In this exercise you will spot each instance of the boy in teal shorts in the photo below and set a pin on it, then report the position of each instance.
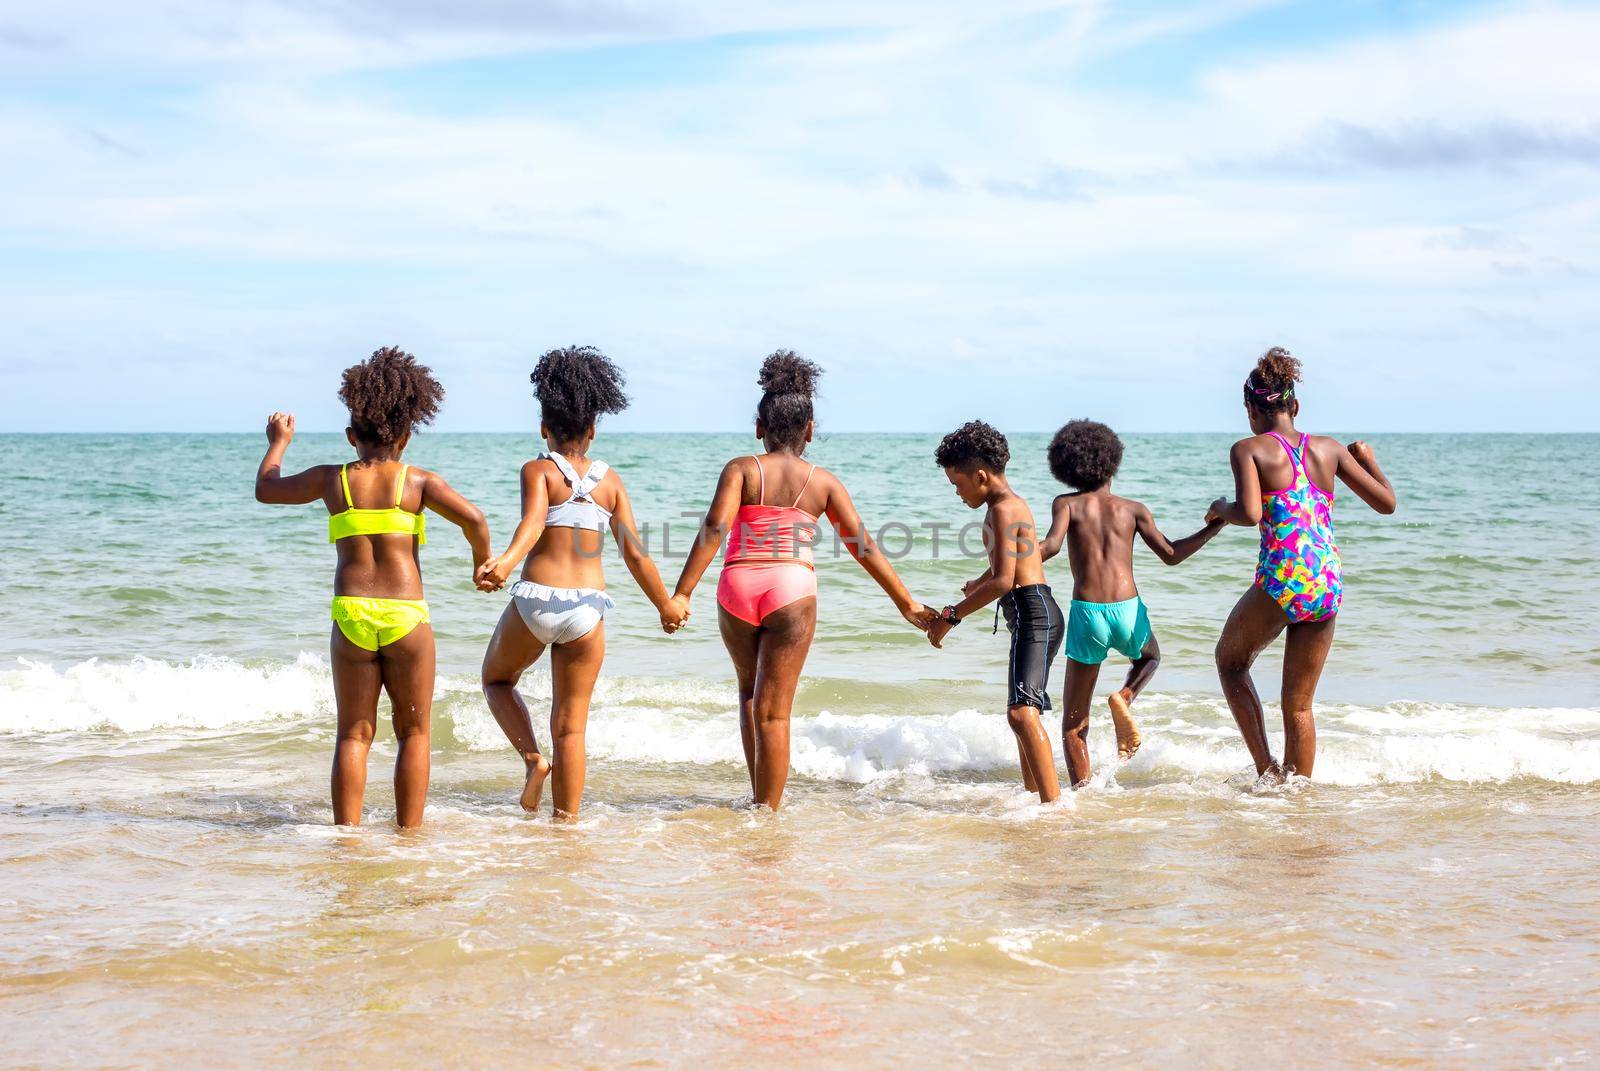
(1107, 614)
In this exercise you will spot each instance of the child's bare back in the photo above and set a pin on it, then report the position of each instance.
(1098, 528)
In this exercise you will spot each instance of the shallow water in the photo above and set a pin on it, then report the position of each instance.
(175, 895)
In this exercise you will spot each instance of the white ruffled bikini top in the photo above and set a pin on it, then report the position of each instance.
(579, 511)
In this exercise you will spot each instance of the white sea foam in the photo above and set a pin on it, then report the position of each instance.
(145, 694)
(638, 720)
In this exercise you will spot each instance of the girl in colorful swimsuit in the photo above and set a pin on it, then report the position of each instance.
(767, 592)
(568, 501)
(381, 639)
(1283, 482)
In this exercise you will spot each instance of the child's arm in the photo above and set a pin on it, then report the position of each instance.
(637, 559)
(492, 574)
(272, 486)
(1174, 551)
(724, 507)
(841, 513)
(1245, 509)
(1358, 468)
(996, 581)
(447, 502)
(1060, 519)
(1002, 564)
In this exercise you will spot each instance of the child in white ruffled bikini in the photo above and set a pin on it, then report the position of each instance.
(568, 501)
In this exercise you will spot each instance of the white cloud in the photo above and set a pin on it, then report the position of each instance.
(937, 183)
(297, 36)
(1530, 65)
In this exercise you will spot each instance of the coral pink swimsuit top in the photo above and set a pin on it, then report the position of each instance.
(764, 534)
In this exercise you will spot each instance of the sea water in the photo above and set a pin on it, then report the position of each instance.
(174, 892)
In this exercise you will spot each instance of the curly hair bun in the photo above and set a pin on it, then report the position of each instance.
(786, 372)
(1278, 370)
(787, 382)
(389, 394)
(575, 385)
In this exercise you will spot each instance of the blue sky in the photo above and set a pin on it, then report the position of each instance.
(1026, 213)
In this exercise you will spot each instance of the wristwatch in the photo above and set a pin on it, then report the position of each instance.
(948, 616)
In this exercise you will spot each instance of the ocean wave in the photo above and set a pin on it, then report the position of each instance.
(691, 721)
(146, 694)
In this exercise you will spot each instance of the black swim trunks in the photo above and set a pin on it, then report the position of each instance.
(1037, 629)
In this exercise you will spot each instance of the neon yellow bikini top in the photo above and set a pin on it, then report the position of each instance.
(391, 521)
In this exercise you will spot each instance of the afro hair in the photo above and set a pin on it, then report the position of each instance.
(1085, 455)
(574, 385)
(388, 395)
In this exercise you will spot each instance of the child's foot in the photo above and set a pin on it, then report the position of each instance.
(533, 787)
(1128, 739)
(1275, 777)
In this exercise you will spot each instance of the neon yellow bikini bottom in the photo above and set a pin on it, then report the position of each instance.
(374, 623)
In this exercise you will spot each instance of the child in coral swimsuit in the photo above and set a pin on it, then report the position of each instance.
(767, 593)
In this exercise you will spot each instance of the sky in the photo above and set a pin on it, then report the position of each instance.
(1018, 211)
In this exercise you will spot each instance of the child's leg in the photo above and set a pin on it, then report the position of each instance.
(1305, 652)
(512, 649)
(356, 683)
(743, 641)
(1036, 753)
(1075, 701)
(1255, 622)
(785, 640)
(1139, 674)
(408, 678)
(574, 667)
(1027, 771)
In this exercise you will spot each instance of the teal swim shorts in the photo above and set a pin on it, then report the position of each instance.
(1095, 629)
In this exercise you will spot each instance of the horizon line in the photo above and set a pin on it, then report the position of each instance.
(746, 431)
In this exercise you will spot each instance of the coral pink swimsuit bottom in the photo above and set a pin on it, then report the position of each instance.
(768, 563)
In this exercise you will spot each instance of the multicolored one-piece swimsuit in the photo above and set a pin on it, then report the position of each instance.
(1299, 567)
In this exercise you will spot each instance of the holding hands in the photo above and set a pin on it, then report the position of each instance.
(945, 620)
(919, 615)
(492, 574)
(674, 614)
(940, 629)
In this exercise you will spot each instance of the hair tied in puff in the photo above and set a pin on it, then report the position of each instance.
(786, 372)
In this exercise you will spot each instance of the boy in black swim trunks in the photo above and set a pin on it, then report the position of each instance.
(974, 460)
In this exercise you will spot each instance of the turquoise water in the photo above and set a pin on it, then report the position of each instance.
(1476, 590)
(175, 895)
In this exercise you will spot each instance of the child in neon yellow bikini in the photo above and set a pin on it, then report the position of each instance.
(381, 638)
